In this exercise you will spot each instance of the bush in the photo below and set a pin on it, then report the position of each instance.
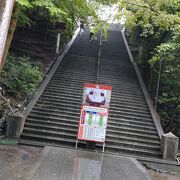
(19, 78)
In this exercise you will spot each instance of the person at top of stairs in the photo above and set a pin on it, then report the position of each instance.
(92, 31)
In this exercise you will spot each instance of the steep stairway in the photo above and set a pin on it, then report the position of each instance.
(130, 124)
(54, 118)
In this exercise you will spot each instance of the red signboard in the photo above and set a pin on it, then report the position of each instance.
(94, 113)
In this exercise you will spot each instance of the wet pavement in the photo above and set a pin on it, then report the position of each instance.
(19, 162)
(15, 161)
(69, 164)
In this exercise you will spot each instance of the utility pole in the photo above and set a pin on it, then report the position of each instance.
(157, 89)
(58, 42)
(6, 9)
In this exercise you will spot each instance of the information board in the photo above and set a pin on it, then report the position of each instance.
(94, 112)
(93, 123)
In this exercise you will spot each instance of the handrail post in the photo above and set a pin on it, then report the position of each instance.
(99, 57)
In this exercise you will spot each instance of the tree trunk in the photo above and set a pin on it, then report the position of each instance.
(170, 124)
(12, 27)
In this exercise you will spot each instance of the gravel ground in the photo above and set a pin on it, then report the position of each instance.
(15, 161)
(164, 176)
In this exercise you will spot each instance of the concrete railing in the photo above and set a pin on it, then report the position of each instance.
(146, 95)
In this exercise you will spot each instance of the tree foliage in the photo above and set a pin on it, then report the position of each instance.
(19, 78)
(155, 25)
(54, 11)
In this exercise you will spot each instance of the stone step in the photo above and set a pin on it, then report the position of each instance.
(132, 129)
(142, 115)
(74, 74)
(65, 112)
(127, 103)
(47, 140)
(129, 117)
(127, 100)
(113, 125)
(80, 83)
(76, 108)
(62, 90)
(76, 120)
(56, 113)
(122, 96)
(66, 103)
(109, 138)
(132, 122)
(59, 98)
(64, 95)
(133, 144)
(119, 92)
(54, 122)
(65, 122)
(51, 127)
(61, 93)
(76, 82)
(128, 109)
(41, 132)
(73, 78)
(125, 84)
(58, 117)
(57, 109)
(79, 89)
(134, 134)
(130, 150)
(79, 97)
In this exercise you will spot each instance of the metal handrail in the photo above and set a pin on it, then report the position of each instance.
(99, 57)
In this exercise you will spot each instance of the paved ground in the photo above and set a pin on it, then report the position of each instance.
(15, 161)
(70, 164)
(26, 162)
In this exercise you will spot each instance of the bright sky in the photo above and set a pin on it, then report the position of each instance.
(108, 13)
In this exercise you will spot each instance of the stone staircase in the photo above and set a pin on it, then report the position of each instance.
(54, 117)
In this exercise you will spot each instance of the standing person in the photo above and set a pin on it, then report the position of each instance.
(92, 32)
(81, 27)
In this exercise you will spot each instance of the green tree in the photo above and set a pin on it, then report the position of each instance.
(19, 78)
(155, 26)
(54, 11)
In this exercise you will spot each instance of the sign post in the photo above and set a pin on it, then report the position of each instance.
(94, 113)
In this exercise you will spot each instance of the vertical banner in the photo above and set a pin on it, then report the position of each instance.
(94, 113)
